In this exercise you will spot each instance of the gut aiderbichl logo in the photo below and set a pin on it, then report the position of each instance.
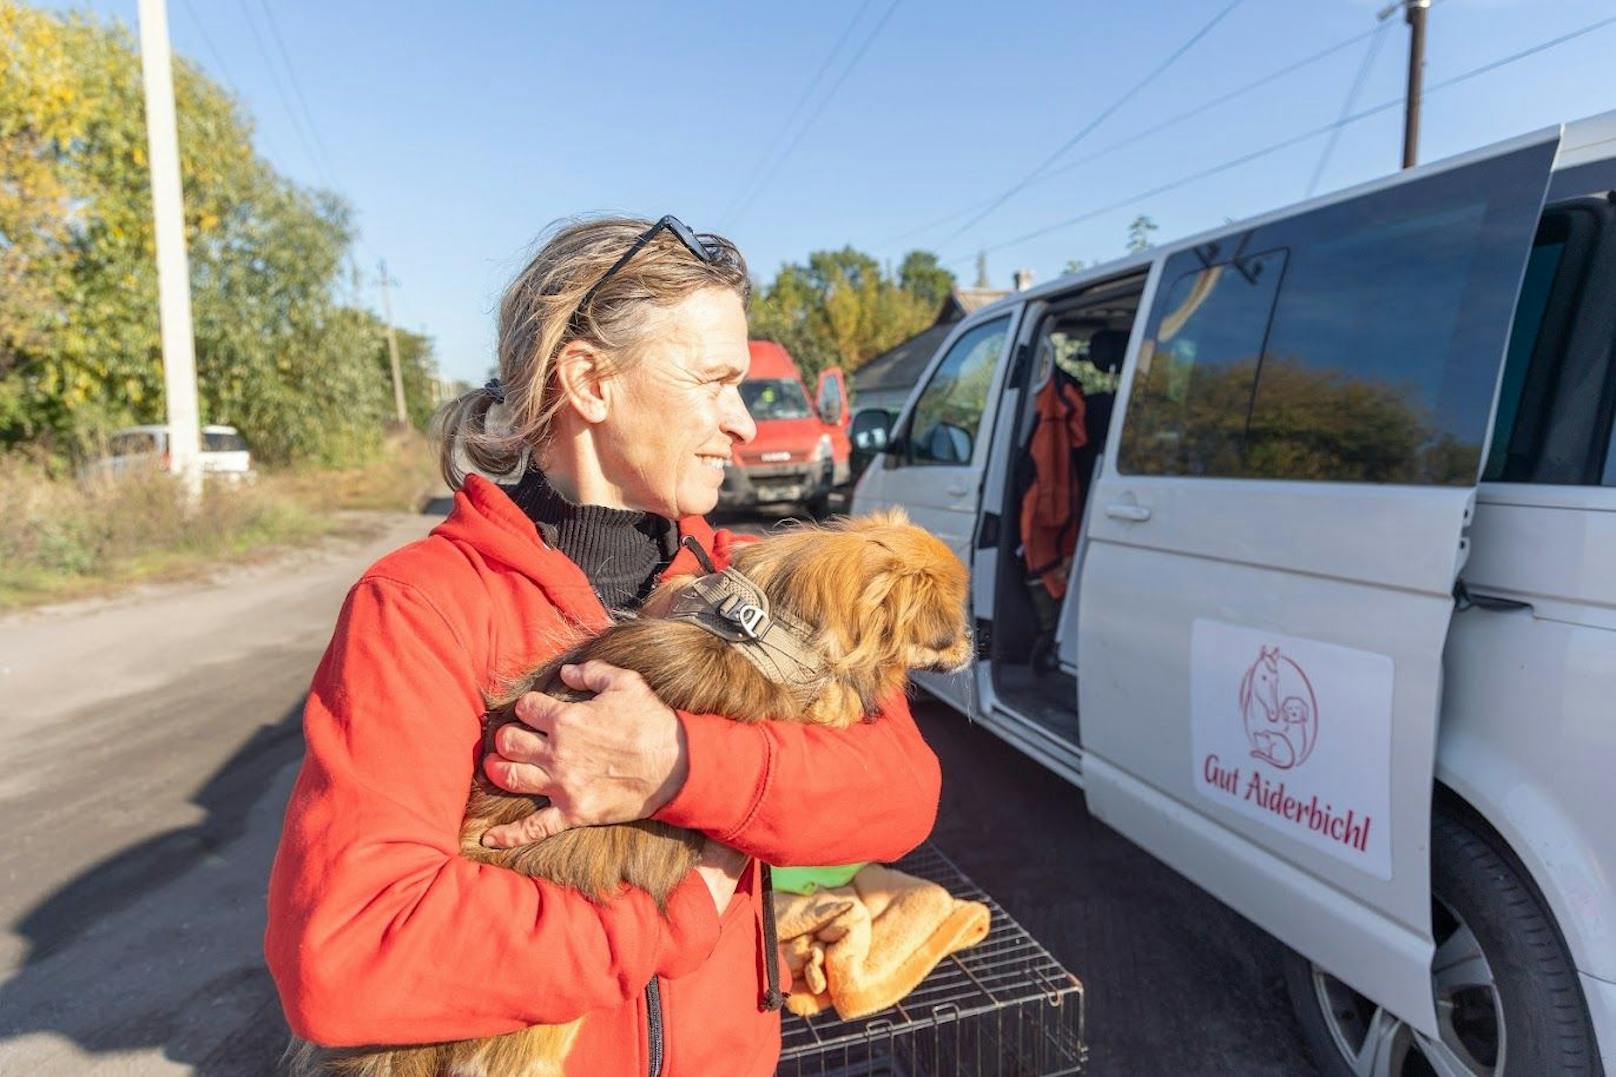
(1280, 711)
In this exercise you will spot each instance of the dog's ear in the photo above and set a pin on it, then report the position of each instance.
(927, 600)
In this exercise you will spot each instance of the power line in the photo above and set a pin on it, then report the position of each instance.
(1375, 42)
(280, 89)
(1105, 114)
(355, 276)
(224, 72)
(1171, 121)
(1295, 139)
(297, 89)
(796, 110)
(1146, 132)
(823, 101)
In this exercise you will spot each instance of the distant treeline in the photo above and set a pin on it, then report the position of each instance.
(283, 349)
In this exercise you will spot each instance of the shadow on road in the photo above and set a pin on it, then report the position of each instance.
(1176, 982)
(159, 946)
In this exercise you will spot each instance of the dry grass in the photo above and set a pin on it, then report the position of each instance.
(64, 539)
(400, 480)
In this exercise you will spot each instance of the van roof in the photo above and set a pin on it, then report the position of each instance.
(770, 360)
(1582, 141)
(162, 428)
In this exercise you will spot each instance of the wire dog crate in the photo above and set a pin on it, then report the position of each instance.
(1003, 1007)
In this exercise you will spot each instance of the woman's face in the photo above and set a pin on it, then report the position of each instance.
(674, 417)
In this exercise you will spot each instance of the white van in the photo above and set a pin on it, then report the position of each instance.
(1288, 642)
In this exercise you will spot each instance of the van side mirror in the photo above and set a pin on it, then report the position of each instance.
(871, 428)
(871, 434)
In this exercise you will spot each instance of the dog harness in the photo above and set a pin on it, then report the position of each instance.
(734, 608)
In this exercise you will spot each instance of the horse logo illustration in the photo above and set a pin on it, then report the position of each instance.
(1280, 711)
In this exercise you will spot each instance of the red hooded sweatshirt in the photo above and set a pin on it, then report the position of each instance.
(381, 933)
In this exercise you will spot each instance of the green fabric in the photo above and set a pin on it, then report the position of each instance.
(807, 880)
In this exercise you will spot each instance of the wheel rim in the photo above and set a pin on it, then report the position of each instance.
(1470, 1016)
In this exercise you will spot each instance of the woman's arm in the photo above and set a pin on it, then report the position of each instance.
(802, 795)
(379, 930)
(785, 793)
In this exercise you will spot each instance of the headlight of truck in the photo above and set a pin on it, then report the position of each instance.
(822, 451)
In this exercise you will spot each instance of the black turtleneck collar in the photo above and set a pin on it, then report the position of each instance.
(621, 551)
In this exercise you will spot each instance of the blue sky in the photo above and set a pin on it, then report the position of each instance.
(459, 131)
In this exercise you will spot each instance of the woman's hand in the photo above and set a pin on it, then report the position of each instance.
(612, 759)
(720, 868)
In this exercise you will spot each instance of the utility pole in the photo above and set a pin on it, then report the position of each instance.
(173, 272)
(392, 348)
(1414, 14)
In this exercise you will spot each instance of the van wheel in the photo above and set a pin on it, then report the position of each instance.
(818, 506)
(1507, 997)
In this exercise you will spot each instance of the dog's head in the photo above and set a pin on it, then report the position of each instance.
(884, 595)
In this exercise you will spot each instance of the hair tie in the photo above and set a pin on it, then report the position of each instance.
(495, 390)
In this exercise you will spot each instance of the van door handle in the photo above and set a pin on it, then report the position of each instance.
(959, 489)
(1137, 513)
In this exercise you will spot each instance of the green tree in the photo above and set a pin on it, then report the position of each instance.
(80, 352)
(840, 309)
(1139, 232)
(922, 275)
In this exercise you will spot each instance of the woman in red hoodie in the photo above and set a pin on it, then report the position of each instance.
(621, 348)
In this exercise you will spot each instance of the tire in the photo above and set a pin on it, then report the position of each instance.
(1529, 1010)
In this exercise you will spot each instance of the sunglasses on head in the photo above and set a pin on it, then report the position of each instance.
(705, 247)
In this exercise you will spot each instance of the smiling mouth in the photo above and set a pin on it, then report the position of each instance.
(717, 463)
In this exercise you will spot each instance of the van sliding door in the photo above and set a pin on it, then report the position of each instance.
(1273, 547)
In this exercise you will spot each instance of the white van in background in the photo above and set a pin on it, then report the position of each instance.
(1290, 644)
(224, 454)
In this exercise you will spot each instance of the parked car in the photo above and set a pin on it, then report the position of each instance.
(1331, 622)
(801, 452)
(224, 453)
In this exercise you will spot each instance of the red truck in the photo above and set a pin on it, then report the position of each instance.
(802, 450)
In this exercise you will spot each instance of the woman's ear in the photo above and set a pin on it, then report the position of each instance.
(581, 374)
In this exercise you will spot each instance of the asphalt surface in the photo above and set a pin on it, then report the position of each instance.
(149, 745)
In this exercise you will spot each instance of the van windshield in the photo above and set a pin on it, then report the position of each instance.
(775, 398)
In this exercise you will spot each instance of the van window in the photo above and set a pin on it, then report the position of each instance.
(1556, 398)
(132, 444)
(1378, 357)
(1187, 415)
(946, 419)
(1361, 380)
(217, 441)
(774, 398)
(1529, 310)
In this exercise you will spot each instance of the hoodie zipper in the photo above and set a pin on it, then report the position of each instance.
(653, 1019)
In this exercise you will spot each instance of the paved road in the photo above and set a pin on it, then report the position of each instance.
(150, 743)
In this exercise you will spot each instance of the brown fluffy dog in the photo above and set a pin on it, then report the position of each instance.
(881, 596)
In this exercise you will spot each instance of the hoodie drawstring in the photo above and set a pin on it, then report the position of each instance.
(772, 998)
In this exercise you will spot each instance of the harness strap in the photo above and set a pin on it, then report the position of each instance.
(772, 998)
